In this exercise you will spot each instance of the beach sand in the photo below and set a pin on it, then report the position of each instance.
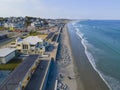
(66, 75)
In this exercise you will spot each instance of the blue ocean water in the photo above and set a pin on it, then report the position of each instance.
(101, 40)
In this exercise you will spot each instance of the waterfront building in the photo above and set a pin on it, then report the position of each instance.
(29, 45)
(6, 54)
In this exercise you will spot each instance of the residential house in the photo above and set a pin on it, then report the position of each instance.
(29, 45)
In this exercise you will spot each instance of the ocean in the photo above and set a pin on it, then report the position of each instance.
(101, 40)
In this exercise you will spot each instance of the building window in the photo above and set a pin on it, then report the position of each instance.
(32, 50)
(18, 45)
(19, 50)
(25, 46)
(32, 45)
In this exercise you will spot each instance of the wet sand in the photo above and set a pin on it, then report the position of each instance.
(87, 77)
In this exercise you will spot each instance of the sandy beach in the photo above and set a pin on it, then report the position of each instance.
(65, 65)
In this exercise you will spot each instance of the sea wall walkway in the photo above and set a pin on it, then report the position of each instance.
(39, 78)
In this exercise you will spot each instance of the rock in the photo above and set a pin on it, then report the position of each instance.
(59, 85)
(61, 76)
(69, 77)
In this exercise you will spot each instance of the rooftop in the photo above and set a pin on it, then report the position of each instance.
(5, 51)
(31, 40)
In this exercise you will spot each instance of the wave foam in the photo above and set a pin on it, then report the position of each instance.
(114, 84)
(91, 58)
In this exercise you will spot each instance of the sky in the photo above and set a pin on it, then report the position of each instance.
(70, 9)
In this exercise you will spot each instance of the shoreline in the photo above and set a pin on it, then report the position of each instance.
(93, 64)
(97, 83)
(97, 71)
(79, 83)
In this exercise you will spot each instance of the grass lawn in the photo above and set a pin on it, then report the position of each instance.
(43, 36)
(11, 65)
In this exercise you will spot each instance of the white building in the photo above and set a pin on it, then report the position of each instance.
(14, 25)
(29, 45)
(6, 54)
(9, 25)
(36, 24)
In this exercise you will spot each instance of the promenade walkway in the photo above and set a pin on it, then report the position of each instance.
(37, 78)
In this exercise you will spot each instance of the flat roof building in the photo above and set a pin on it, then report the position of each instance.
(6, 54)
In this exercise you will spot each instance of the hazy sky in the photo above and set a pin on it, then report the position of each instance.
(80, 9)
